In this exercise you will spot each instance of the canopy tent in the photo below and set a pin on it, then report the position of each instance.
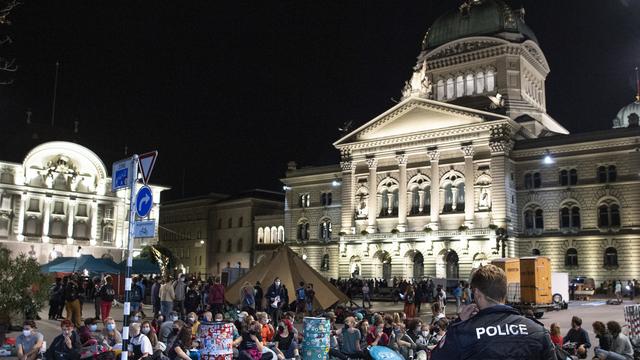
(88, 262)
(141, 266)
(291, 269)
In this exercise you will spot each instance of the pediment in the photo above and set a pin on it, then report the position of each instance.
(416, 115)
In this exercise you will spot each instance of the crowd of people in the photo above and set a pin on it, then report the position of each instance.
(264, 322)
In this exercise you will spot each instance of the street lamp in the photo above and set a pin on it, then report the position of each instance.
(501, 240)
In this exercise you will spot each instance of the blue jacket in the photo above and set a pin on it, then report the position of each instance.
(498, 332)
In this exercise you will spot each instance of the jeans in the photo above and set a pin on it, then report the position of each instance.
(458, 303)
(165, 308)
(609, 355)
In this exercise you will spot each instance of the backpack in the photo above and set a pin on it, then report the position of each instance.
(136, 294)
(301, 293)
(560, 353)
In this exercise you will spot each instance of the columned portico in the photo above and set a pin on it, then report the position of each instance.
(499, 156)
(45, 219)
(348, 179)
(434, 157)
(372, 163)
(23, 209)
(469, 195)
(70, 220)
(402, 192)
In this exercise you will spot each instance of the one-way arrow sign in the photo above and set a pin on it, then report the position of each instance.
(145, 163)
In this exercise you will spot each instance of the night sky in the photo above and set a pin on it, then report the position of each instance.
(228, 92)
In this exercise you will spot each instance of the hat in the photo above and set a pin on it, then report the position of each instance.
(359, 316)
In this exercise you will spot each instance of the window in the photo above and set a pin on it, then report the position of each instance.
(570, 217)
(267, 235)
(571, 257)
(460, 197)
(303, 230)
(108, 213)
(528, 181)
(304, 200)
(58, 208)
(229, 245)
(450, 89)
(480, 83)
(607, 174)
(325, 198)
(534, 219)
(459, 86)
(32, 226)
(4, 226)
(469, 84)
(82, 210)
(107, 234)
(573, 177)
(81, 230)
(260, 235)
(240, 245)
(219, 247)
(325, 230)
(230, 223)
(564, 178)
(611, 257)
(324, 264)
(440, 90)
(539, 221)
(280, 234)
(490, 80)
(388, 195)
(535, 252)
(537, 180)
(609, 215)
(240, 221)
(34, 205)
(454, 192)
(533, 180)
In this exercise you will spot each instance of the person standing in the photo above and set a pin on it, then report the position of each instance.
(491, 330)
(247, 299)
(441, 298)
(155, 295)
(72, 301)
(618, 290)
(107, 294)
(135, 296)
(457, 293)
(97, 301)
(275, 299)
(300, 298)
(192, 298)
(366, 296)
(259, 295)
(409, 302)
(310, 295)
(180, 290)
(56, 299)
(216, 297)
(419, 296)
(167, 296)
(467, 297)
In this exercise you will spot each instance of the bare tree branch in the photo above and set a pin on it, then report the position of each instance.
(6, 10)
(6, 40)
(8, 65)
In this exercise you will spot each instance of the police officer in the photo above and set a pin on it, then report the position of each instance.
(491, 330)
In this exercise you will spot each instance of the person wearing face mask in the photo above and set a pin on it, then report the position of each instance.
(181, 344)
(414, 332)
(136, 316)
(147, 330)
(66, 345)
(180, 290)
(275, 299)
(376, 335)
(111, 338)
(192, 320)
(286, 344)
(250, 343)
(139, 346)
(29, 343)
(167, 326)
(266, 330)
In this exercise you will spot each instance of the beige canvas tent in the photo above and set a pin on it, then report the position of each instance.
(291, 269)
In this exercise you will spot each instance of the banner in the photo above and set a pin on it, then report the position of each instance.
(216, 340)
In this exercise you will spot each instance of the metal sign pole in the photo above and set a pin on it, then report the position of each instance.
(127, 281)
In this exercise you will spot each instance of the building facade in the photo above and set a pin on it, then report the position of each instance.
(58, 202)
(214, 233)
(469, 165)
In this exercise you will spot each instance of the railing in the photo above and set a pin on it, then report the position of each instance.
(485, 232)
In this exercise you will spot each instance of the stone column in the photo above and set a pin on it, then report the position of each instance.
(71, 212)
(348, 209)
(94, 223)
(434, 157)
(372, 163)
(469, 191)
(23, 204)
(46, 215)
(402, 192)
(499, 157)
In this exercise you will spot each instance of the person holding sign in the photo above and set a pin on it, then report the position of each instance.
(276, 297)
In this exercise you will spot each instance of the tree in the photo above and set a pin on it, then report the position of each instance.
(162, 256)
(8, 65)
(23, 288)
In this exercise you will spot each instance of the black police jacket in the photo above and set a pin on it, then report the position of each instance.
(498, 332)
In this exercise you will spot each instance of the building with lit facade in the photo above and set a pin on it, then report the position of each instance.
(58, 202)
(470, 151)
(214, 233)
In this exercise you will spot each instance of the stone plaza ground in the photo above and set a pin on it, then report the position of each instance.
(589, 311)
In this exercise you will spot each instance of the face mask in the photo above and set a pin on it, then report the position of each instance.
(111, 327)
(135, 318)
(145, 330)
(174, 318)
(425, 333)
(93, 328)
(192, 319)
(277, 283)
(26, 333)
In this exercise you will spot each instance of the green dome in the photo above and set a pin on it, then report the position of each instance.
(479, 18)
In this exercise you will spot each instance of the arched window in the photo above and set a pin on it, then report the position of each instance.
(325, 230)
(569, 217)
(229, 245)
(260, 235)
(479, 82)
(602, 174)
(571, 257)
(267, 235)
(609, 215)
(448, 198)
(107, 234)
(528, 220)
(573, 177)
(535, 252)
(460, 197)
(534, 220)
(564, 178)
(280, 234)
(388, 196)
(603, 216)
(537, 180)
(565, 217)
(274, 235)
(575, 217)
(459, 86)
(614, 211)
(611, 257)
(303, 230)
(451, 91)
(528, 181)
(324, 264)
(539, 223)
(607, 174)
(323, 199)
(469, 84)
(490, 80)
(440, 90)
(612, 173)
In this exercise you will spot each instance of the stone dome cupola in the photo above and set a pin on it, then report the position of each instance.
(628, 116)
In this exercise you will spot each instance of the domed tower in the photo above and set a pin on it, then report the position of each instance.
(482, 55)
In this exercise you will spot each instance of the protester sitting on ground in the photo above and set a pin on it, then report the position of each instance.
(376, 335)
(556, 337)
(111, 338)
(491, 330)
(401, 342)
(29, 343)
(250, 343)
(350, 344)
(438, 331)
(578, 336)
(147, 330)
(136, 316)
(207, 316)
(603, 335)
(89, 344)
(157, 322)
(181, 343)
(414, 327)
(621, 348)
(436, 312)
(139, 346)
(65, 345)
(285, 341)
(192, 320)
(166, 327)
(266, 330)
(363, 326)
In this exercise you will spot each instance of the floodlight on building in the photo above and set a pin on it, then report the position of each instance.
(336, 183)
(304, 257)
(286, 188)
(53, 254)
(202, 242)
(79, 251)
(548, 159)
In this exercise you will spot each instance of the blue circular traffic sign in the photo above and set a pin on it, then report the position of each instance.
(144, 201)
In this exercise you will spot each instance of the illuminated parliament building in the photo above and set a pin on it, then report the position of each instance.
(470, 164)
